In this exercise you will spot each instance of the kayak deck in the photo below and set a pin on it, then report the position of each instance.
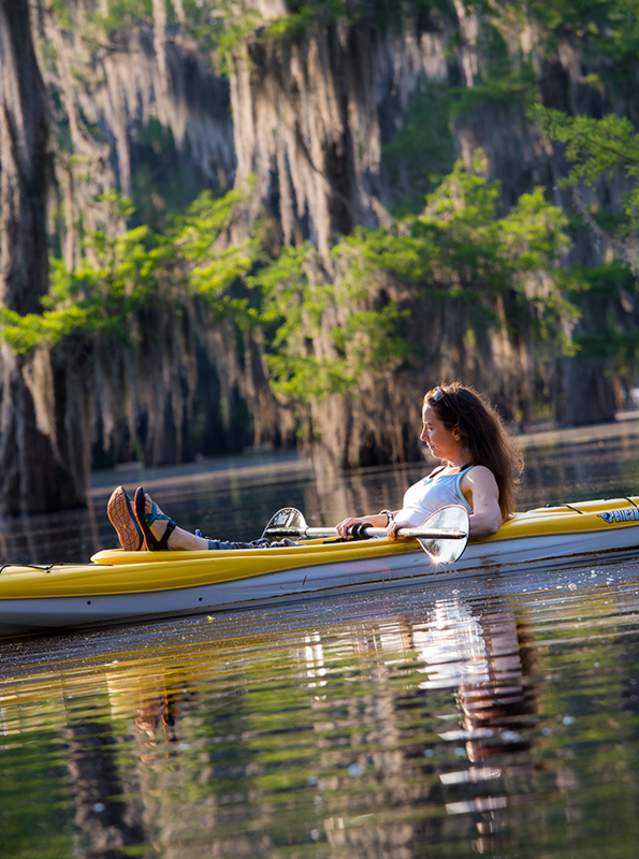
(584, 517)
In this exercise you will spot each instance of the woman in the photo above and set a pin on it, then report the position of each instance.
(480, 469)
(480, 465)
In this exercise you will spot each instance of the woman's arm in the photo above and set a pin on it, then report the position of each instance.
(479, 483)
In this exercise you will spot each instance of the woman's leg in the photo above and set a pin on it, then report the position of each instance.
(165, 531)
(130, 527)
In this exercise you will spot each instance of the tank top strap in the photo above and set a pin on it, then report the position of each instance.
(440, 468)
(436, 471)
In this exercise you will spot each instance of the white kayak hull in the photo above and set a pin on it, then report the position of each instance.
(39, 614)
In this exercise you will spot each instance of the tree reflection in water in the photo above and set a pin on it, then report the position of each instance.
(378, 737)
(105, 820)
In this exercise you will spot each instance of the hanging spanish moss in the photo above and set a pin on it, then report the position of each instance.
(273, 220)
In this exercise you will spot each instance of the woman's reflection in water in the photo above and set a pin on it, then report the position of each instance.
(487, 660)
(147, 698)
(154, 721)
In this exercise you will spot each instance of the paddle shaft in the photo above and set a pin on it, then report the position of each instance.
(425, 533)
(443, 545)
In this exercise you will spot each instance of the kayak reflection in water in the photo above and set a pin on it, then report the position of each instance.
(479, 470)
(480, 466)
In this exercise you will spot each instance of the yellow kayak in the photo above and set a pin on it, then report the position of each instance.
(120, 586)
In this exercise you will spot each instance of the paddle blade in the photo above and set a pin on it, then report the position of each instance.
(289, 521)
(440, 549)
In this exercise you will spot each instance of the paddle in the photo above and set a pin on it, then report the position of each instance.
(443, 536)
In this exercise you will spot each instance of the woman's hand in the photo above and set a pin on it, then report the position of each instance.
(343, 528)
(391, 531)
(375, 520)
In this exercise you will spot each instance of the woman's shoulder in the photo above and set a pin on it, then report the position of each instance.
(479, 472)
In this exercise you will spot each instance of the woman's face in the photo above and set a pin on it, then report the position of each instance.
(442, 442)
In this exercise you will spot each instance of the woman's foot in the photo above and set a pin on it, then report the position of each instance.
(120, 515)
(160, 531)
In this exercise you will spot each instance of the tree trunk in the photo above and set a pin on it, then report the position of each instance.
(33, 476)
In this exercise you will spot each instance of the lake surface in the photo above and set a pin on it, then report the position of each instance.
(497, 715)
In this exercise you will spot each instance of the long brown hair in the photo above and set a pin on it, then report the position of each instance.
(483, 433)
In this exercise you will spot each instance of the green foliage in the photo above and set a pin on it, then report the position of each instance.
(594, 147)
(619, 347)
(396, 253)
(62, 11)
(213, 267)
(292, 309)
(468, 245)
(607, 280)
(237, 25)
(281, 285)
(578, 16)
(323, 337)
(422, 150)
(121, 14)
(320, 333)
(305, 18)
(597, 148)
(610, 288)
(532, 235)
(117, 276)
(492, 90)
(308, 16)
(306, 378)
(25, 333)
(123, 277)
(493, 49)
(607, 29)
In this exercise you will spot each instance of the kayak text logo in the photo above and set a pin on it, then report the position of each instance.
(626, 515)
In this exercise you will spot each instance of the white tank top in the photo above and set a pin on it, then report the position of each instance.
(429, 494)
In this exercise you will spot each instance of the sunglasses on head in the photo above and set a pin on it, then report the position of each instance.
(438, 395)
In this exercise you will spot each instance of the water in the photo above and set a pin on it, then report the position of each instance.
(495, 715)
